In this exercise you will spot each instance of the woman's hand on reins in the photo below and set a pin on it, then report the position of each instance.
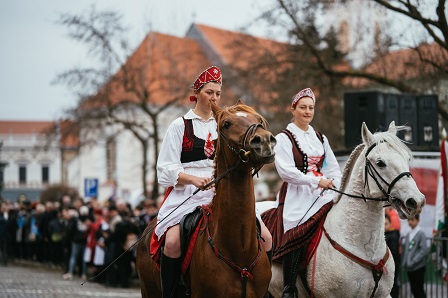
(326, 183)
(199, 182)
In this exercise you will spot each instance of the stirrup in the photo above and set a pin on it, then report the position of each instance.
(290, 291)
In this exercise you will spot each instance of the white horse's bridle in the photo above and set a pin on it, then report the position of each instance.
(372, 172)
(370, 169)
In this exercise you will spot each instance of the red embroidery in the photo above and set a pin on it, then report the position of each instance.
(209, 146)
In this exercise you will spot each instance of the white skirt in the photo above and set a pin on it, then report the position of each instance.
(177, 205)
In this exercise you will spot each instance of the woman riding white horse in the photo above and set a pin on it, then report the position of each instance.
(352, 259)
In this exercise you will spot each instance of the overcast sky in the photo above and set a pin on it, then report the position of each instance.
(34, 49)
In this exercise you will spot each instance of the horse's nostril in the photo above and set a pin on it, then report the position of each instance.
(255, 142)
(411, 203)
(273, 141)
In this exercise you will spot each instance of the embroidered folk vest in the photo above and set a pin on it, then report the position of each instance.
(301, 158)
(192, 146)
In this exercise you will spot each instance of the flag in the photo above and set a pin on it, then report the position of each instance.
(439, 216)
(440, 212)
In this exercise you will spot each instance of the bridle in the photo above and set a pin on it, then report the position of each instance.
(242, 153)
(370, 170)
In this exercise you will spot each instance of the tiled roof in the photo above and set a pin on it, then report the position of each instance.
(164, 65)
(24, 127)
(234, 47)
(68, 138)
(405, 64)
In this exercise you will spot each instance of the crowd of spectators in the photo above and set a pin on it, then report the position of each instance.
(78, 237)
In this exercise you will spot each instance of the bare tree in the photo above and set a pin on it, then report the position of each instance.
(429, 53)
(270, 73)
(127, 91)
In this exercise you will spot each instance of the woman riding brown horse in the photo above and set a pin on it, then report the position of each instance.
(228, 259)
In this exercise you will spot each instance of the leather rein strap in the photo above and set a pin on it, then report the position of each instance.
(377, 270)
(245, 272)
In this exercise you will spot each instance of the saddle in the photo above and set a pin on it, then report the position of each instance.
(189, 228)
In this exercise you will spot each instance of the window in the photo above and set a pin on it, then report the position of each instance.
(45, 174)
(22, 174)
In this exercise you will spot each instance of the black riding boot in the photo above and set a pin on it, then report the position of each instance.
(290, 271)
(170, 270)
(269, 253)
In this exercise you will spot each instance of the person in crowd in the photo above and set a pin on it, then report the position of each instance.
(3, 235)
(68, 215)
(415, 250)
(148, 213)
(110, 246)
(50, 213)
(77, 234)
(393, 242)
(34, 236)
(56, 234)
(94, 226)
(100, 253)
(122, 238)
(185, 163)
(22, 229)
(394, 218)
(308, 167)
(11, 226)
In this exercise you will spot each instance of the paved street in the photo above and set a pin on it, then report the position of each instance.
(27, 279)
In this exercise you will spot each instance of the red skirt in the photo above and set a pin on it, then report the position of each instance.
(296, 237)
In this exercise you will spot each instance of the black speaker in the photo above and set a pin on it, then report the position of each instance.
(374, 108)
(378, 110)
(428, 123)
(408, 117)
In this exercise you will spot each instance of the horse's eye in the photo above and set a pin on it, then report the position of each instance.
(380, 163)
(226, 125)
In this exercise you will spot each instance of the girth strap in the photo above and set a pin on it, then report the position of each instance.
(377, 269)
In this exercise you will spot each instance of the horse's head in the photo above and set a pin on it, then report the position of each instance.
(244, 132)
(387, 171)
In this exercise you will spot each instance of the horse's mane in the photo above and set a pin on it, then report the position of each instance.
(379, 137)
(349, 166)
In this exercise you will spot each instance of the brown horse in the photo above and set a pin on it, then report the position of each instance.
(228, 259)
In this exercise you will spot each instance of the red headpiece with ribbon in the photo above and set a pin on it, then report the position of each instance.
(211, 74)
(307, 92)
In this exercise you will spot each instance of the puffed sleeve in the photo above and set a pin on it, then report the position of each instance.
(284, 162)
(331, 168)
(168, 162)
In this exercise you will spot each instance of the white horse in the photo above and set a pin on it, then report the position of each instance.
(358, 263)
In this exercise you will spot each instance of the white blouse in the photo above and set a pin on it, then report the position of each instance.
(302, 188)
(169, 166)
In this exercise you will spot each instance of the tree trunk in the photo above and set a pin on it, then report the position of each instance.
(155, 137)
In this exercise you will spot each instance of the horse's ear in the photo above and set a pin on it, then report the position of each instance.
(367, 136)
(240, 102)
(392, 128)
(215, 108)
